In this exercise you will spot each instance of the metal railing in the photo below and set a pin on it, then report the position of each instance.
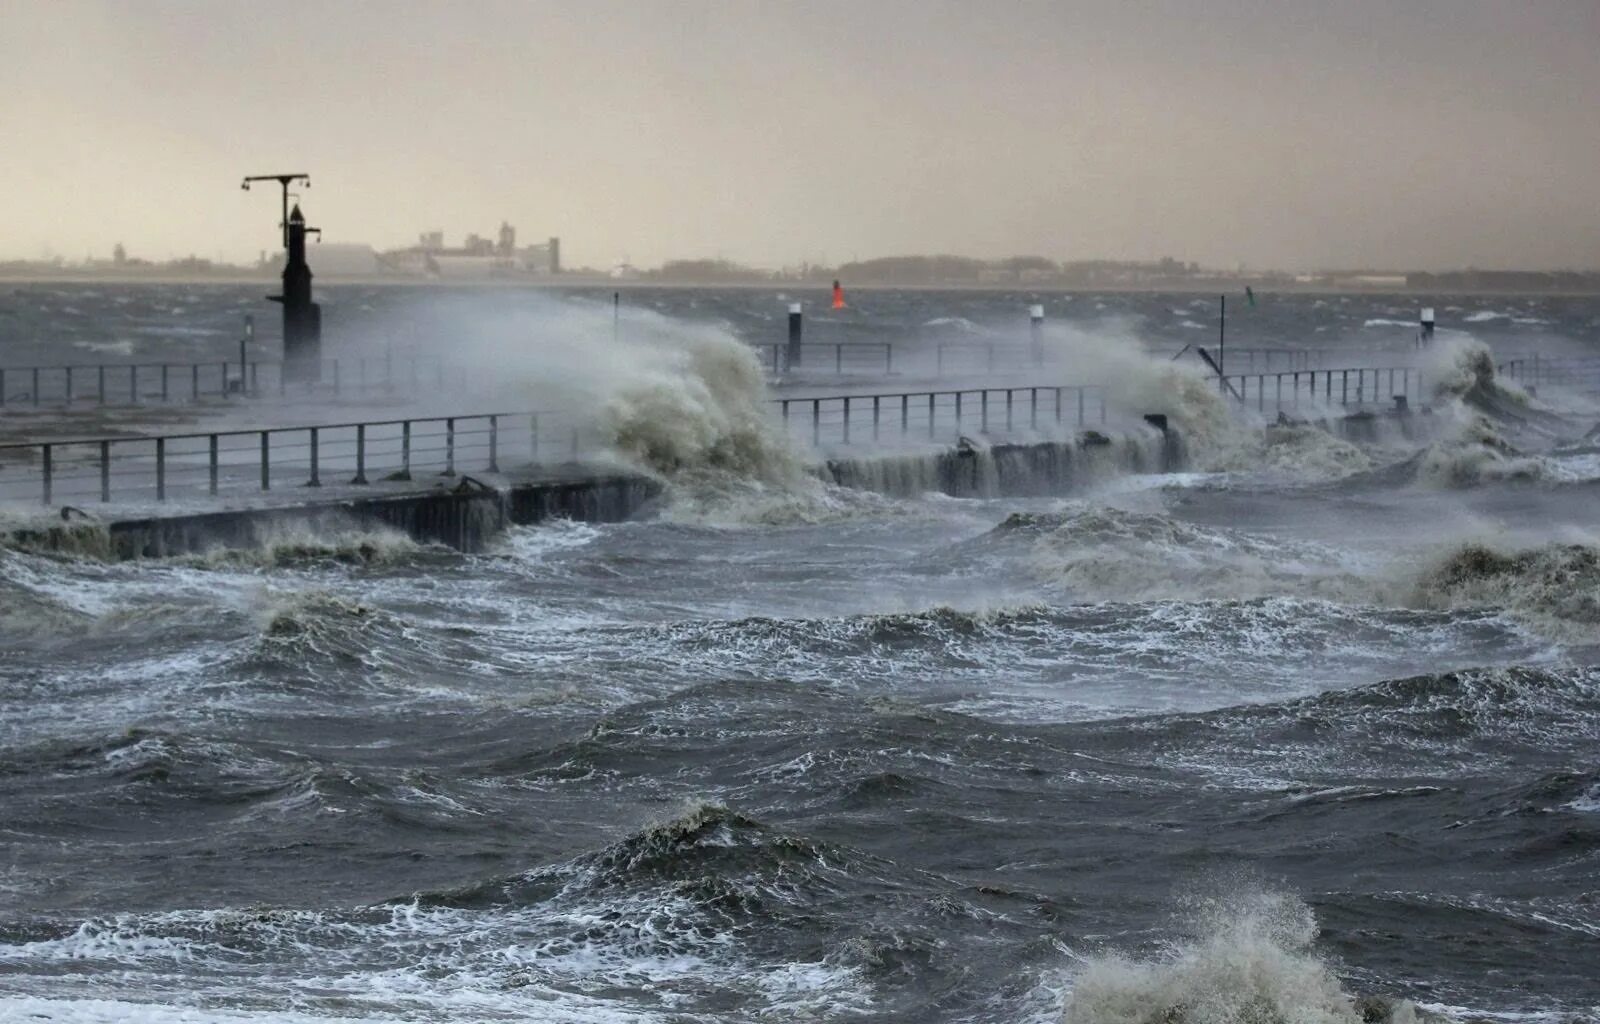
(1580, 373)
(844, 358)
(1344, 387)
(206, 465)
(131, 383)
(1269, 360)
(210, 464)
(938, 415)
(170, 383)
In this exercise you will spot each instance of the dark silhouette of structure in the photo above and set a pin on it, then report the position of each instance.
(302, 318)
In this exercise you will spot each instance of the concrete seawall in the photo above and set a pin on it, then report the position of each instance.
(464, 518)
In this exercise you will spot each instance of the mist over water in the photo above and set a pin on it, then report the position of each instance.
(1304, 733)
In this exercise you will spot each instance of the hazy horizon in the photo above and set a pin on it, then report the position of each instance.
(1293, 135)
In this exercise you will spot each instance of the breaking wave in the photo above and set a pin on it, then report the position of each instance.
(1100, 553)
(1251, 959)
(1555, 587)
(701, 410)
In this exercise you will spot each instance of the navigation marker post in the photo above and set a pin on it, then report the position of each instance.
(1036, 330)
(792, 356)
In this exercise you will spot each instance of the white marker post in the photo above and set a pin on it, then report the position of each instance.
(793, 355)
(1425, 335)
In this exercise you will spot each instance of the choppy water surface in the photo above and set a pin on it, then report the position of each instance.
(1253, 733)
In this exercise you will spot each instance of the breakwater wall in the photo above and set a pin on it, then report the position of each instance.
(971, 470)
(464, 518)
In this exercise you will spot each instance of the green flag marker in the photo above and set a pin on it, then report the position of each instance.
(1250, 296)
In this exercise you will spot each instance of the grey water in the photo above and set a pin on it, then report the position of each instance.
(828, 756)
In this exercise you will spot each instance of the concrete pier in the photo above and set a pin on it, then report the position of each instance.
(468, 515)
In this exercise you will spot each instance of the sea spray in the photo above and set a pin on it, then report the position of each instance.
(1137, 384)
(1249, 960)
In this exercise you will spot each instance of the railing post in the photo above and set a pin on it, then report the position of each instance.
(222, 385)
(450, 447)
(405, 450)
(161, 469)
(105, 471)
(102, 376)
(838, 359)
(905, 415)
(361, 454)
(931, 433)
(1344, 387)
(846, 419)
(494, 444)
(316, 480)
(874, 418)
(1058, 406)
(164, 391)
(958, 410)
(46, 468)
(1080, 406)
(35, 385)
(211, 464)
(816, 421)
(533, 431)
(1033, 408)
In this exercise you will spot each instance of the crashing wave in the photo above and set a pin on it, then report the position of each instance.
(1478, 454)
(1555, 587)
(1101, 553)
(1251, 960)
(1294, 449)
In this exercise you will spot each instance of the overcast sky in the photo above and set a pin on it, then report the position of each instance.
(1296, 133)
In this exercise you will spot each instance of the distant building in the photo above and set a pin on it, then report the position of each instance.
(477, 257)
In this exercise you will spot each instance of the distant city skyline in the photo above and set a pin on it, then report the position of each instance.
(1294, 135)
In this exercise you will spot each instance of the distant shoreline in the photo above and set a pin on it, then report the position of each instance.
(588, 283)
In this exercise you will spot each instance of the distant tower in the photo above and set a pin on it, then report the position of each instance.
(555, 255)
(508, 239)
(302, 318)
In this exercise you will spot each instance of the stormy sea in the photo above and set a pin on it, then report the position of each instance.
(1306, 732)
